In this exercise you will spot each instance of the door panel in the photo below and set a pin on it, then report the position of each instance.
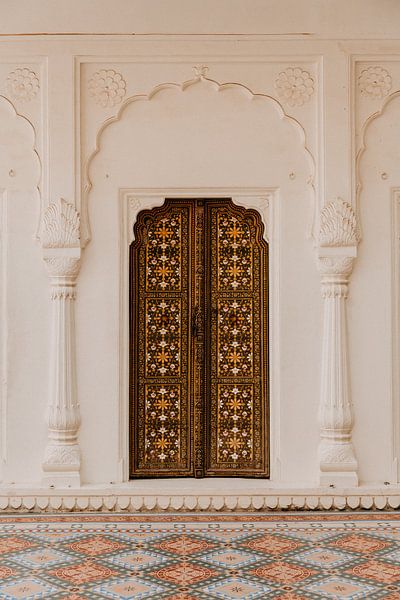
(199, 341)
(160, 383)
(237, 379)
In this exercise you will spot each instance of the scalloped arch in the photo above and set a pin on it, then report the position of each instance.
(33, 181)
(363, 147)
(218, 87)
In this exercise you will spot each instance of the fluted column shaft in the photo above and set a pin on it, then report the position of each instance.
(61, 254)
(338, 464)
(61, 463)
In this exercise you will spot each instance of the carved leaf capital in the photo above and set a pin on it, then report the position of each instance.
(62, 266)
(338, 225)
(60, 227)
(340, 266)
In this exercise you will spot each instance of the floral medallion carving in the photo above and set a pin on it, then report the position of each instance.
(200, 71)
(107, 87)
(375, 82)
(294, 86)
(22, 85)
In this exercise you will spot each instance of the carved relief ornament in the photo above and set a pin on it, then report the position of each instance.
(338, 225)
(60, 226)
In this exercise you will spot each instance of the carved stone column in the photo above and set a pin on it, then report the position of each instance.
(339, 236)
(61, 253)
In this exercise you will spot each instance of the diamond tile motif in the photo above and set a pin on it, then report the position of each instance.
(28, 588)
(345, 589)
(360, 543)
(129, 589)
(14, 544)
(41, 558)
(183, 573)
(95, 546)
(83, 573)
(283, 572)
(377, 571)
(230, 558)
(272, 544)
(268, 556)
(184, 545)
(139, 558)
(323, 558)
(237, 588)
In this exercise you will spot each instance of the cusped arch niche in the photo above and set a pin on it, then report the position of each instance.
(195, 136)
(19, 160)
(198, 134)
(19, 194)
(378, 205)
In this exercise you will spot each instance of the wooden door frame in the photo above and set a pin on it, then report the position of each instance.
(266, 202)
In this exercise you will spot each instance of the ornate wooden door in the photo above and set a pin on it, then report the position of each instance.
(199, 341)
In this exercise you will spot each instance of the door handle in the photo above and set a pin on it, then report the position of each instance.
(195, 320)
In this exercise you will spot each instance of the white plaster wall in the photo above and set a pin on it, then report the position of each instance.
(197, 136)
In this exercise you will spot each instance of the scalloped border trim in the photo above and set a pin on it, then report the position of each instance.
(129, 503)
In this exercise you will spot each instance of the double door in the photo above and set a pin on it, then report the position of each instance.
(199, 341)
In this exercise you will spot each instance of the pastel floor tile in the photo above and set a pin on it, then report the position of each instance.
(28, 588)
(237, 588)
(138, 558)
(230, 558)
(323, 557)
(41, 558)
(269, 556)
(340, 588)
(129, 589)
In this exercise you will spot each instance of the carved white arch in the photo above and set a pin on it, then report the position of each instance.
(13, 169)
(181, 87)
(363, 148)
(393, 190)
(20, 170)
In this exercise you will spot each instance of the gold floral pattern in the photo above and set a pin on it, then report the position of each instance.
(163, 254)
(238, 338)
(235, 338)
(162, 422)
(163, 337)
(234, 254)
(162, 375)
(235, 422)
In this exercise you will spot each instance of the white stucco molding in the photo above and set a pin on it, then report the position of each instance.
(122, 500)
(61, 253)
(338, 238)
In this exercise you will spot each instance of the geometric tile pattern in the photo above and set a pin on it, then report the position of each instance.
(285, 556)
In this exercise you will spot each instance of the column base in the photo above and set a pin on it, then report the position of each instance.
(338, 464)
(338, 479)
(61, 466)
(61, 479)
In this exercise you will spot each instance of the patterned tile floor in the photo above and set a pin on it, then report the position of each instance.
(283, 556)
